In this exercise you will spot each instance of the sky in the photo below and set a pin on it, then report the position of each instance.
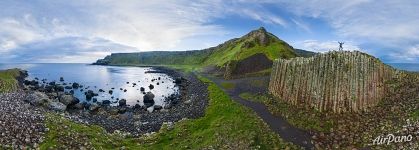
(70, 31)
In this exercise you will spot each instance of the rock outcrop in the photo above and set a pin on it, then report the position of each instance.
(336, 81)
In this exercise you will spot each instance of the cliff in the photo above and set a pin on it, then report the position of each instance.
(257, 48)
(338, 81)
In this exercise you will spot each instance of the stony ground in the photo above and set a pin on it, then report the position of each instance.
(139, 121)
(21, 125)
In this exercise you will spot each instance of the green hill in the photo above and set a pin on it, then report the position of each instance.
(257, 48)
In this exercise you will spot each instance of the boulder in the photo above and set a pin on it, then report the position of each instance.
(75, 85)
(106, 102)
(57, 106)
(151, 86)
(110, 92)
(148, 99)
(142, 89)
(89, 95)
(68, 100)
(122, 102)
(38, 99)
(178, 81)
(61, 79)
(52, 83)
(157, 107)
(68, 87)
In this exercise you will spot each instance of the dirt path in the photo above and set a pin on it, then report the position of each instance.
(277, 123)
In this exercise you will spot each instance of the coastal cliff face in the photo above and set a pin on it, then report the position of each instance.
(336, 81)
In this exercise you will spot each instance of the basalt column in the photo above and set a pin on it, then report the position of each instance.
(335, 81)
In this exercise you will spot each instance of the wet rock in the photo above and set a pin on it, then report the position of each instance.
(68, 87)
(122, 102)
(75, 85)
(137, 106)
(178, 81)
(94, 100)
(52, 83)
(148, 99)
(89, 94)
(106, 102)
(157, 107)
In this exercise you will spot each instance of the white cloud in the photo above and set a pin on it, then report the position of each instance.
(325, 46)
(385, 20)
(410, 55)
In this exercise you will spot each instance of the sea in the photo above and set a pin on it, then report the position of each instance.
(94, 77)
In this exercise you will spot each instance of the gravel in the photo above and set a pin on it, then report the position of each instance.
(21, 125)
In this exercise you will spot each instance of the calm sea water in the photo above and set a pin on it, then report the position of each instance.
(104, 77)
(406, 66)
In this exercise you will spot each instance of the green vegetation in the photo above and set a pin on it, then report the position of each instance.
(8, 80)
(64, 133)
(300, 117)
(228, 85)
(226, 125)
(258, 41)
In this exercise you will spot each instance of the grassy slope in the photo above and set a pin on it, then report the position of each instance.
(234, 49)
(8, 80)
(226, 125)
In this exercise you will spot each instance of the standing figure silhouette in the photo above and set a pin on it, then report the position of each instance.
(341, 46)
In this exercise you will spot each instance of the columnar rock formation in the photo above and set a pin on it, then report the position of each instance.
(336, 81)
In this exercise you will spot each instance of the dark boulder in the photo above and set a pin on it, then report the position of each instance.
(142, 89)
(106, 102)
(122, 102)
(157, 107)
(110, 92)
(151, 86)
(89, 94)
(148, 99)
(178, 81)
(75, 85)
(61, 79)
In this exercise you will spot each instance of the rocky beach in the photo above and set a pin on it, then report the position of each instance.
(23, 114)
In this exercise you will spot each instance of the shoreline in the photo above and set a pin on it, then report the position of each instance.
(133, 121)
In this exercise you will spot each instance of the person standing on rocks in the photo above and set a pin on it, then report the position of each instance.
(341, 46)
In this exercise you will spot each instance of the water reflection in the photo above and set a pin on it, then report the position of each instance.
(129, 79)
